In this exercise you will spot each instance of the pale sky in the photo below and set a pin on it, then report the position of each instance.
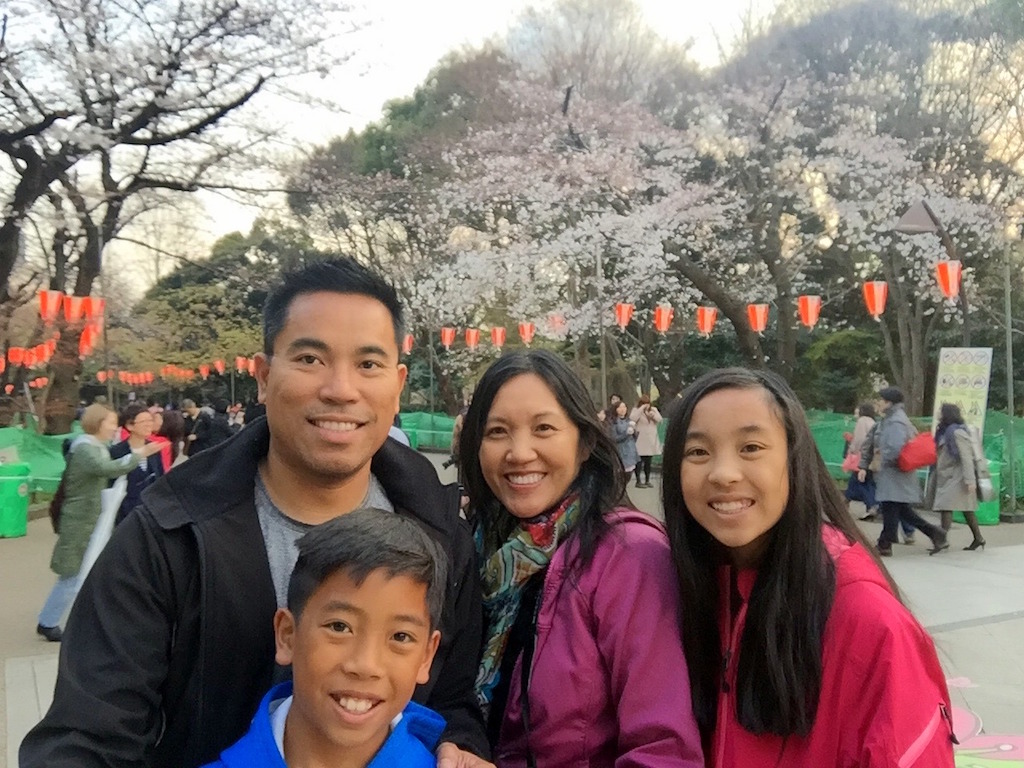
(404, 40)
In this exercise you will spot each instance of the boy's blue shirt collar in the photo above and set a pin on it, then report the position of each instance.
(411, 744)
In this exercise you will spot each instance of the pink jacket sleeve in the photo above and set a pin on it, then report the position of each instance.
(635, 603)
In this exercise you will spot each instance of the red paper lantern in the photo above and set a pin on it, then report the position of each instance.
(498, 336)
(31, 359)
(42, 353)
(810, 310)
(204, 371)
(472, 337)
(623, 314)
(407, 343)
(526, 331)
(16, 355)
(149, 377)
(706, 317)
(948, 274)
(3, 364)
(447, 337)
(49, 305)
(218, 365)
(757, 316)
(122, 376)
(8, 388)
(663, 318)
(51, 347)
(73, 307)
(241, 364)
(875, 294)
(44, 381)
(101, 376)
(93, 309)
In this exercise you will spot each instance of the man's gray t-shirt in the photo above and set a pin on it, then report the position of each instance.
(280, 532)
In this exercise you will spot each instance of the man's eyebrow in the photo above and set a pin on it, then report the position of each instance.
(307, 342)
(408, 618)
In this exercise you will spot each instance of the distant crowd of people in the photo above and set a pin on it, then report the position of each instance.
(310, 593)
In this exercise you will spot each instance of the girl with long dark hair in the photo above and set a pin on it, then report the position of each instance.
(583, 661)
(799, 649)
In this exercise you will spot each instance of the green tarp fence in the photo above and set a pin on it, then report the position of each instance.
(433, 431)
(42, 453)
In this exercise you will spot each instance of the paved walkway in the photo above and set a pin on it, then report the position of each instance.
(972, 602)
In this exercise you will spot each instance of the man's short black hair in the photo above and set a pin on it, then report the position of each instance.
(337, 275)
(363, 541)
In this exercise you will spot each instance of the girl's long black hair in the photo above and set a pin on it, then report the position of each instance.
(779, 668)
(600, 481)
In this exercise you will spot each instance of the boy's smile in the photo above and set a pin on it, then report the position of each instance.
(357, 653)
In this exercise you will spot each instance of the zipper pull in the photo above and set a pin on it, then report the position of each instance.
(725, 670)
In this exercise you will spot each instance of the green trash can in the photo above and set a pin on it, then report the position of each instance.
(13, 500)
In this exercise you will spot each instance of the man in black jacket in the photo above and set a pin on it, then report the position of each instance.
(170, 644)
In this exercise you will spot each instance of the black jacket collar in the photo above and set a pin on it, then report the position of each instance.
(221, 478)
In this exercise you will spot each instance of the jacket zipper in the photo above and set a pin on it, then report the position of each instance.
(726, 701)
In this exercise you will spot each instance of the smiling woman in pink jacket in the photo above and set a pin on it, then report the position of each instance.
(800, 652)
(583, 661)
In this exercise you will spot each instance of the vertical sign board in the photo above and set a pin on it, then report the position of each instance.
(962, 379)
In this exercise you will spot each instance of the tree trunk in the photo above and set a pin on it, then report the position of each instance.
(58, 411)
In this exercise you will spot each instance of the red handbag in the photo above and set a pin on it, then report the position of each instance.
(917, 452)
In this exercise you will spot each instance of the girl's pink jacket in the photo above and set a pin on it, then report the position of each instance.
(609, 685)
(884, 701)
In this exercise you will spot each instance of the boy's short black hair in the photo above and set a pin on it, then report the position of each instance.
(337, 275)
(364, 541)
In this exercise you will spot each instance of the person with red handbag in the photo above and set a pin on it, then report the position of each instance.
(895, 489)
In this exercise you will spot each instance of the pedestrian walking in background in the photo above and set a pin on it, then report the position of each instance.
(137, 421)
(648, 445)
(89, 469)
(799, 650)
(895, 489)
(623, 432)
(856, 489)
(172, 434)
(952, 485)
(583, 662)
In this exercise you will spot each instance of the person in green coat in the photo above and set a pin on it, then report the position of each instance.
(89, 470)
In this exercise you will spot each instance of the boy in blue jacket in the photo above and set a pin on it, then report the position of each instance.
(359, 633)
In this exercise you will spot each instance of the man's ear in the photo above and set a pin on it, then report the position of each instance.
(284, 636)
(262, 366)
(423, 676)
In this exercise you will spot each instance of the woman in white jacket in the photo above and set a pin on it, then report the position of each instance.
(648, 445)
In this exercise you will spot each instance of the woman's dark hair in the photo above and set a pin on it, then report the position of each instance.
(600, 481)
(779, 669)
(173, 428)
(129, 413)
(948, 414)
(866, 409)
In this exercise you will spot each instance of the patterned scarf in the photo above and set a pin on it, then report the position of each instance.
(527, 552)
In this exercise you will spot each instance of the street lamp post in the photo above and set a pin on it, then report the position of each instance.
(1011, 515)
(921, 219)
